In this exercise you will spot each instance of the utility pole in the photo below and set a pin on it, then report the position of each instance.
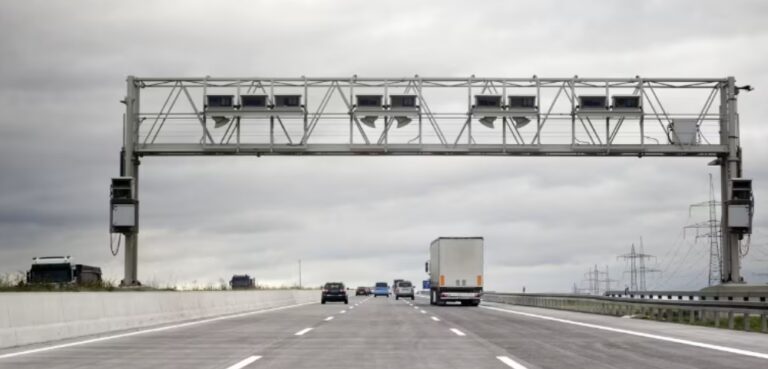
(713, 233)
(637, 268)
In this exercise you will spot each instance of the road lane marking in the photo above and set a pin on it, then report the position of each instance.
(302, 332)
(152, 330)
(415, 307)
(435, 319)
(458, 332)
(328, 318)
(636, 333)
(351, 307)
(245, 362)
(511, 363)
(343, 311)
(423, 312)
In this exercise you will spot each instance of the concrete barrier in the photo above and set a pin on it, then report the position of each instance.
(35, 317)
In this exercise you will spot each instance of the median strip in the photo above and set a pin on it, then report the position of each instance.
(244, 363)
(152, 330)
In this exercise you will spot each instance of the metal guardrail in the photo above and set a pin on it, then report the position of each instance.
(744, 295)
(748, 315)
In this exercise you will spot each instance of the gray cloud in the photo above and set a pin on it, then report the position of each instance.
(545, 219)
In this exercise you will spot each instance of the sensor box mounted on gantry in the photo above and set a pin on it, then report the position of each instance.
(287, 106)
(684, 131)
(741, 206)
(123, 216)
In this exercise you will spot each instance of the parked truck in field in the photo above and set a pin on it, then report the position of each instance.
(455, 270)
(242, 282)
(59, 269)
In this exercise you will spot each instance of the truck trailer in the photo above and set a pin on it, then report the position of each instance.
(455, 270)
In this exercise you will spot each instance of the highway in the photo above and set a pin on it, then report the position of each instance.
(388, 333)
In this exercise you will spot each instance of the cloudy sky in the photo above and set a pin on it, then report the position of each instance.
(359, 220)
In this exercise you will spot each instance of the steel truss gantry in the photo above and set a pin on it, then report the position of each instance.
(169, 117)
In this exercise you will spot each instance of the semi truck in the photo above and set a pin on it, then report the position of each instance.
(455, 270)
(59, 269)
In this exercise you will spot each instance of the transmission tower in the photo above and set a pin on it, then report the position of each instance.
(637, 269)
(712, 232)
(592, 277)
(607, 280)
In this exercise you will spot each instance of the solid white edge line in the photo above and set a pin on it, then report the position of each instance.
(458, 332)
(435, 318)
(302, 332)
(151, 330)
(328, 318)
(636, 333)
(245, 362)
(511, 363)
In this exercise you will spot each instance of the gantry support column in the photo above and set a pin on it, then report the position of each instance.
(730, 168)
(130, 168)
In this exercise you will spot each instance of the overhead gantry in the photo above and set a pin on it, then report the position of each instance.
(661, 117)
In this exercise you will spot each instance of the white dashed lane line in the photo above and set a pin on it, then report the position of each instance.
(458, 332)
(245, 362)
(328, 318)
(423, 312)
(511, 363)
(342, 312)
(435, 319)
(303, 331)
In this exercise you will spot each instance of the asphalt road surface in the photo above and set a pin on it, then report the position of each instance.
(386, 333)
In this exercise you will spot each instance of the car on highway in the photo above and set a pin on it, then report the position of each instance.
(362, 291)
(404, 289)
(381, 289)
(334, 291)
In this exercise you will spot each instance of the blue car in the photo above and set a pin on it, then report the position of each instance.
(381, 289)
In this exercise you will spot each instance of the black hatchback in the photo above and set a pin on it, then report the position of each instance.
(334, 291)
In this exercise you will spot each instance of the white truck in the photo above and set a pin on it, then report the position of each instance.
(455, 270)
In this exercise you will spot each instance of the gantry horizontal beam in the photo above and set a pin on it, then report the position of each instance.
(418, 78)
(430, 149)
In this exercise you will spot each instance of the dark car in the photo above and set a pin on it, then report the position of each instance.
(362, 291)
(334, 291)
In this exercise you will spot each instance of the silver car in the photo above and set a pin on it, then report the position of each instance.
(404, 289)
